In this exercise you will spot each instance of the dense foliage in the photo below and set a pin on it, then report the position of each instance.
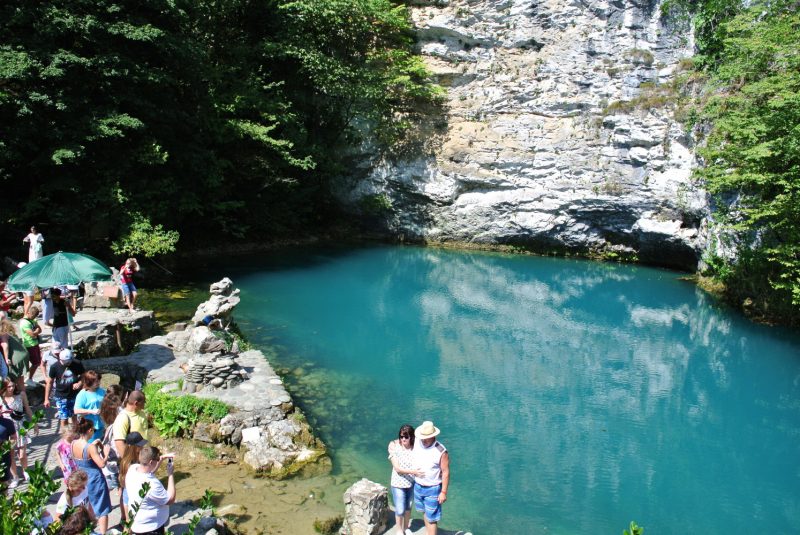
(214, 119)
(22, 510)
(750, 114)
(177, 416)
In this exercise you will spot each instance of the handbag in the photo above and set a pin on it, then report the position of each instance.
(108, 440)
(15, 415)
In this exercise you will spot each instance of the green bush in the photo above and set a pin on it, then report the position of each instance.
(177, 416)
(20, 513)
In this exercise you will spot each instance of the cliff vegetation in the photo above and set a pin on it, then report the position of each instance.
(749, 119)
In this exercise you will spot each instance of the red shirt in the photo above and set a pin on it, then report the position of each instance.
(125, 274)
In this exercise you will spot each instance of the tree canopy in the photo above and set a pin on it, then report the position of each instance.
(750, 109)
(211, 118)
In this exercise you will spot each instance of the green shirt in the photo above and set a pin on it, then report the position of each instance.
(28, 340)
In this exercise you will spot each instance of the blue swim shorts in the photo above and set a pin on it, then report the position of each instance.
(65, 408)
(426, 499)
(128, 288)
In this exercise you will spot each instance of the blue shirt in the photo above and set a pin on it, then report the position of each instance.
(91, 400)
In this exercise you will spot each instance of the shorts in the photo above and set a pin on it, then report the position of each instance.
(128, 288)
(402, 500)
(61, 335)
(426, 499)
(30, 293)
(65, 407)
(35, 353)
(112, 480)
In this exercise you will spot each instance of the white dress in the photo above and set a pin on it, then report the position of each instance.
(35, 251)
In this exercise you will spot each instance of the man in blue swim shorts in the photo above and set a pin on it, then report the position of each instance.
(430, 491)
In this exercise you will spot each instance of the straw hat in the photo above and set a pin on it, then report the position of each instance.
(426, 430)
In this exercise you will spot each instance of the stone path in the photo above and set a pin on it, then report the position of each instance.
(97, 329)
(155, 361)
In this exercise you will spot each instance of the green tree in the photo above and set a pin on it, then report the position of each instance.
(219, 120)
(752, 152)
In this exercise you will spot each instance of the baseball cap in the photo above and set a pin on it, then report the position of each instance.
(135, 438)
(65, 356)
(55, 347)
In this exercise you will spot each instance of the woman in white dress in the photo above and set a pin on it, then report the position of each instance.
(34, 241)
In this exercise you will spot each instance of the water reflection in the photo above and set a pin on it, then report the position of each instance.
(574, 395)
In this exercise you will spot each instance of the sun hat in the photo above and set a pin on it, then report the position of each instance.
(65, 356)
(135, 439)
(426, 430)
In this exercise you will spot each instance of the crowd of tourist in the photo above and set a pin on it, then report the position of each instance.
(103, 448)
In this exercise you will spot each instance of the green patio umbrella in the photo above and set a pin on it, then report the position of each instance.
(57, 270)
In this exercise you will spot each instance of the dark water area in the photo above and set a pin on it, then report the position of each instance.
(573, 395)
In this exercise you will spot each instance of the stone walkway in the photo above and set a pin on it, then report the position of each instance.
(96, 329)
(155, 362)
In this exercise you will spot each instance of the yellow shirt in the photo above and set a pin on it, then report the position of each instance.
(128, 422)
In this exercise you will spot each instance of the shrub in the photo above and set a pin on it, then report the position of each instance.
(637, 55)
(20, 513)
(177, 416)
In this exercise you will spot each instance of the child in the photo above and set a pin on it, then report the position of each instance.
(75, 495)
(65, 459)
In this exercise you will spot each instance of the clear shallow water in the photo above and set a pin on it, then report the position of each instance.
(574, 396)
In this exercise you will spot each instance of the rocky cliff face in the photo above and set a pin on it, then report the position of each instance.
(522, 152)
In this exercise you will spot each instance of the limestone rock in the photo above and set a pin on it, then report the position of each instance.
(94, 296)
(232, 509)
(205, 432)
(282, 434)
(540, 143)
(200, 340)
(211, 526)
(222, 303)
(366, 509)
(222, 287)
(178, 339)
(264, 458)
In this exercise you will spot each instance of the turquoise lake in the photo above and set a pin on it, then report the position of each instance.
(572, 395)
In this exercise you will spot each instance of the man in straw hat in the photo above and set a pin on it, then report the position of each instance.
(430, 490)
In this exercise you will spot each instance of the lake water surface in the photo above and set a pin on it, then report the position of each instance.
(574, 396)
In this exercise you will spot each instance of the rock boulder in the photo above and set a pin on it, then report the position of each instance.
(366, 509)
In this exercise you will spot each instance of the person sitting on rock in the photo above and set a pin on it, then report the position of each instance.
(131, 418)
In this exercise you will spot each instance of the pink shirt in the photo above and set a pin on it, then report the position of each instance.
(65, 453)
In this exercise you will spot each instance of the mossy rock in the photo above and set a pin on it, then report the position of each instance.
(329, 526)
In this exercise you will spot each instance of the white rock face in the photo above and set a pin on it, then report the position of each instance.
(522, 154)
